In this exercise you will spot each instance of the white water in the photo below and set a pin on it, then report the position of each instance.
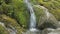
(32, 26)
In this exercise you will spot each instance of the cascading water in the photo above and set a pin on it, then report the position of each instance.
(32, 27)
(32, 17)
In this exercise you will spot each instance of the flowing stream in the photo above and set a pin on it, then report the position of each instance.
(32, 27)
(32, 17)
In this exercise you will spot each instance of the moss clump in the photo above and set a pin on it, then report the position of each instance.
(22, 14)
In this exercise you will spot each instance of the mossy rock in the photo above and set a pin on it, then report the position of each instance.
(42, 20)
(53, 6)
(3, 30)
(38, 12)
(16, 9)
(11, 23)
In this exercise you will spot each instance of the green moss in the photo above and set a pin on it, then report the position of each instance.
(9, 6)
(1, 1)
(7, 9)
(17, 9)
(34, 2)
(11, 23)
(38, 12)
(56, 13)
(22, 15)
(52, 6)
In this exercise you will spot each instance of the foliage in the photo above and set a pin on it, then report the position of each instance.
(14, 13)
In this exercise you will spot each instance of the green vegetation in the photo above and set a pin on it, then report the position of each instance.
(14, 13)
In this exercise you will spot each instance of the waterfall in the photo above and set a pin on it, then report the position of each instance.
(32, 26)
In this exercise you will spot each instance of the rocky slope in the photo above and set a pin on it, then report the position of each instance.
(15, 15)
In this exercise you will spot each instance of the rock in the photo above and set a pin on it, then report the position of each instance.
(11, 23)
(51, 31)
(52, 6)
(15, 14)
(45, 21)
(3, 30)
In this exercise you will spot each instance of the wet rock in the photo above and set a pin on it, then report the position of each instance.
(11, 23)
(51, 31)
(53, 6)
(45, 21)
